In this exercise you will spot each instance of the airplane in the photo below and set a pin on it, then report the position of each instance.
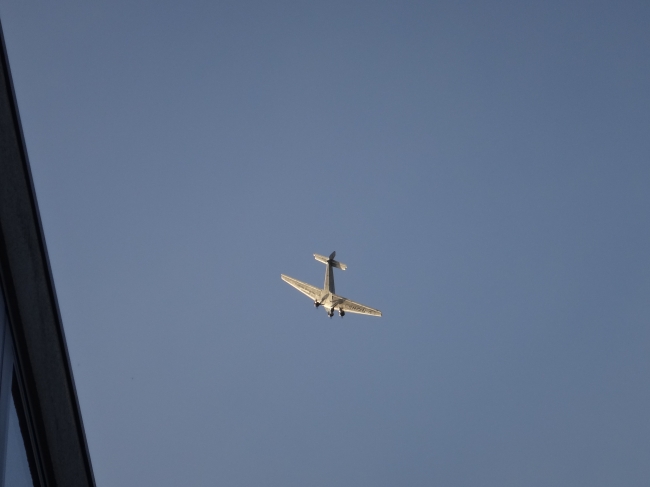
(326, 296)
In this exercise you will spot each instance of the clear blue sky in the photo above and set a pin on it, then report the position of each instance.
(482, 168)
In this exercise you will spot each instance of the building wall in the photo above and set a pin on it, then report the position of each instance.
(41, 367)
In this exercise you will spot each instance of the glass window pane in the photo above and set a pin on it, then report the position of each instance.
(17, 472)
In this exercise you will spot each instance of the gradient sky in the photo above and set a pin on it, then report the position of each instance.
(481, 167)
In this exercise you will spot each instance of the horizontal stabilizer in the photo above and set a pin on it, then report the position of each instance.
(332, 262)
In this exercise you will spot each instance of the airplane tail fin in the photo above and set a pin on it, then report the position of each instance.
(331, 261)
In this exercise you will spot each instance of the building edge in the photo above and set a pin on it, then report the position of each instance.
(43, 368)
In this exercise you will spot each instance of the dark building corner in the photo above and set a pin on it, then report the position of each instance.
(42, 440)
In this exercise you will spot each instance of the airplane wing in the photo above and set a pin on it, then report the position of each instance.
(352, 307)
(312, 291)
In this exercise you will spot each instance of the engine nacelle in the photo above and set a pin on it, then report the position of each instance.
(342, 313)
(316, 303)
